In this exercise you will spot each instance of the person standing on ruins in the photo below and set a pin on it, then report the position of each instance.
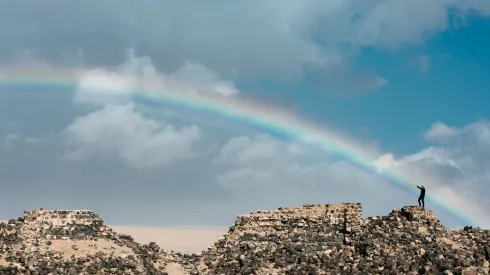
(422, 195)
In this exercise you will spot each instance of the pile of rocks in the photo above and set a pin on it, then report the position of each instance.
(313, 239)
(72, 242)
(304, 241)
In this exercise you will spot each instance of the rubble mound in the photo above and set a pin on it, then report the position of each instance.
(312, 239)
(72, 242)
(335, 239)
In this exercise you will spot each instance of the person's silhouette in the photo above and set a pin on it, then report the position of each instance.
(422, 195)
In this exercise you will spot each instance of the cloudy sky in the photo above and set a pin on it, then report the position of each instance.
(407, 78)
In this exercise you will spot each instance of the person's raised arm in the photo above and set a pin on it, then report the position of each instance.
(418, 187)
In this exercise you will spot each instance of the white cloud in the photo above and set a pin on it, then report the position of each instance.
(13, 138)
(248, 172)
(101, 86)
(385, 161)
(456, 169)
(196, 77)
(278, 40)
(245, 150)
(120, 131)
(440, 132)
(261, 167)
(395, 23)
(258, 150)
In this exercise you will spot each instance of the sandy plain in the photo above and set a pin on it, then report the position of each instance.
(183, 240)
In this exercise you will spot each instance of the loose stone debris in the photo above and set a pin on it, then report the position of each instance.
(312, 239)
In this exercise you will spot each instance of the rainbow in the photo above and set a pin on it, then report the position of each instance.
(267, 118)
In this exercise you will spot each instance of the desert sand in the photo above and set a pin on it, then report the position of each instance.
(176, 239)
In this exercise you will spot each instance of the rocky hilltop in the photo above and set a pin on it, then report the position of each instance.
(335, 239)
(312, 239)
(73, 242)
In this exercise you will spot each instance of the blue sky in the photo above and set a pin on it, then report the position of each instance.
(445, 79)
(408, 78)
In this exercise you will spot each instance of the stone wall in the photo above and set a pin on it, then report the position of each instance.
(334, 239)
(61, 217)
(344, 218)
(70, 224)
(283, 234)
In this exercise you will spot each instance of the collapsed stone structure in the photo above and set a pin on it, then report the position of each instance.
(345, 217)
(335, 239)
(312, 239)
(72, 242)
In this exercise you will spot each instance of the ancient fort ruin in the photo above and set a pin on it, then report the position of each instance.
(311, 239)
(344, 217)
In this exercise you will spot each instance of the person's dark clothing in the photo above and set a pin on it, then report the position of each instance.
(422, 196)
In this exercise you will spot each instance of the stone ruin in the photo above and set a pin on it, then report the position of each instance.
(72, 242)
(273, 234)
(312, 239)
(336, 239)
(70, 224)
(61, 217)
(344, 217)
